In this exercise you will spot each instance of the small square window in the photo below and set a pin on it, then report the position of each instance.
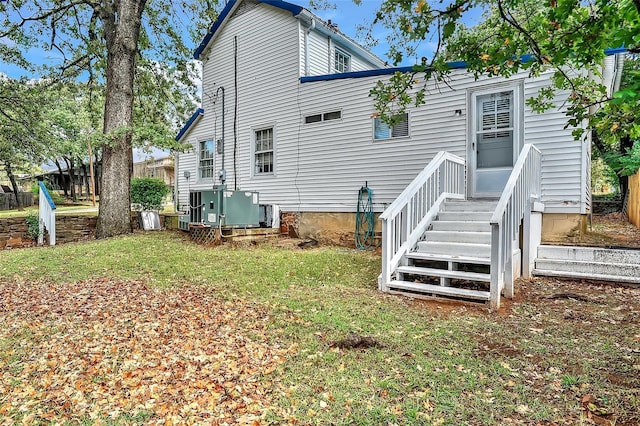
(342, 61)
(382, 130)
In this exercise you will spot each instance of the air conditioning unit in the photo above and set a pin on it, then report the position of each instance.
(222, 207)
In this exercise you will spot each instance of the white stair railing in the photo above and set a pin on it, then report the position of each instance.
(523, 186)
(47, 215)
(406, 219)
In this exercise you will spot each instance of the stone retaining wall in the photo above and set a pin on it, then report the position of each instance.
(13, 231)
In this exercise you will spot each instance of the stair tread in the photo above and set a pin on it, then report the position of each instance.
(461, 232)
(471, 276)
(436, 289)
(585, 275)
(584, 262)
(448, 258)
(460, 244)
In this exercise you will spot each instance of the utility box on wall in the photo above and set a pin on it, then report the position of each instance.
(222, 207)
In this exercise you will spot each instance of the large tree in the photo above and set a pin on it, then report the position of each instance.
(106, 41)
(561, 35)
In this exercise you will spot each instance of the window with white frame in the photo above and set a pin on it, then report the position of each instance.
(263, 151)
(382, 130)
(342, 61)
(206, 160)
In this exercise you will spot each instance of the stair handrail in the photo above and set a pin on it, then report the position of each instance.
(47, 215)
(523, 186)
(406, 219)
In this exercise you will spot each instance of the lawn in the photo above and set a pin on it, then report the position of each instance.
(152, 329)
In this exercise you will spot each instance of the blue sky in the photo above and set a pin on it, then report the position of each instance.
(346, 14)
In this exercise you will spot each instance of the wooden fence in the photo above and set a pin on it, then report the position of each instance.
(8, 201)
(633, 205)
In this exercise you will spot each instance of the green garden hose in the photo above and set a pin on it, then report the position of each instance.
(365, 224)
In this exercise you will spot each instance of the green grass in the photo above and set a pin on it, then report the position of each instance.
(59, 210)
(438, 364)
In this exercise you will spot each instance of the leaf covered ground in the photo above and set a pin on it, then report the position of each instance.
(152, 329)
(121, 351)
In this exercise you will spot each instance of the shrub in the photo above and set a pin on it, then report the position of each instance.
(35, 190)
(147, 193)
(33, 226)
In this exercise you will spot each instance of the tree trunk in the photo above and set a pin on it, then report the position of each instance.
(97, 174)
(625, 145)
(87, 182)
(72, 177)
(121, 32)
(14, 185)
(63, 181)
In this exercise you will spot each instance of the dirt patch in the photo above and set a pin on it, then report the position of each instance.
(609, 230)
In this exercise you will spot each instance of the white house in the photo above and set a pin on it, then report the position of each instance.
(287, 113)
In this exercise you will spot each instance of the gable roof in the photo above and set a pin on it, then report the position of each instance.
(296, 11)
(190, 122)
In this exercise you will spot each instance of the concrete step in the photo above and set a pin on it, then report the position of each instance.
(465, 216)
(448, 258)
(469, 206)
(444, 273)
(454, 249)
(587, 276)
(460, 225)
(458, 237)
(598, 268)
(399, 287)
(589, 254)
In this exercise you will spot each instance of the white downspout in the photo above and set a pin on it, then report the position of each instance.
(307, 62)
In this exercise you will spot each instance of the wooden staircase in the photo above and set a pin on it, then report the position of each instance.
(436, 243)
(452, 259)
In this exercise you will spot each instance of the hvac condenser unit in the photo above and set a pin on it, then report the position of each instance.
(222, 207)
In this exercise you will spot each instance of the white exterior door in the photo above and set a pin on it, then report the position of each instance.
(494, 140)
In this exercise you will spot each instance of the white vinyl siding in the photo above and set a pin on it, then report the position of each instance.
(322, 55)
(323, 170)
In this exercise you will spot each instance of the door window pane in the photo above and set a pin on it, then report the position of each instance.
(494, 130)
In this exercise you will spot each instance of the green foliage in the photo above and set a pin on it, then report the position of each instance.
(603, 178)
(33, 225)
(565, 36)
(147, 193)
(35, 190)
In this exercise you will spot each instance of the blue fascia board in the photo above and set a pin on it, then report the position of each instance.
(199, 113)
(289, 7)
(614, 51)
(372, 73)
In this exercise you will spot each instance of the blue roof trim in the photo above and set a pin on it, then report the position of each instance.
(371, 73)
(615, 51)
(199, 113)
(289, 7)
